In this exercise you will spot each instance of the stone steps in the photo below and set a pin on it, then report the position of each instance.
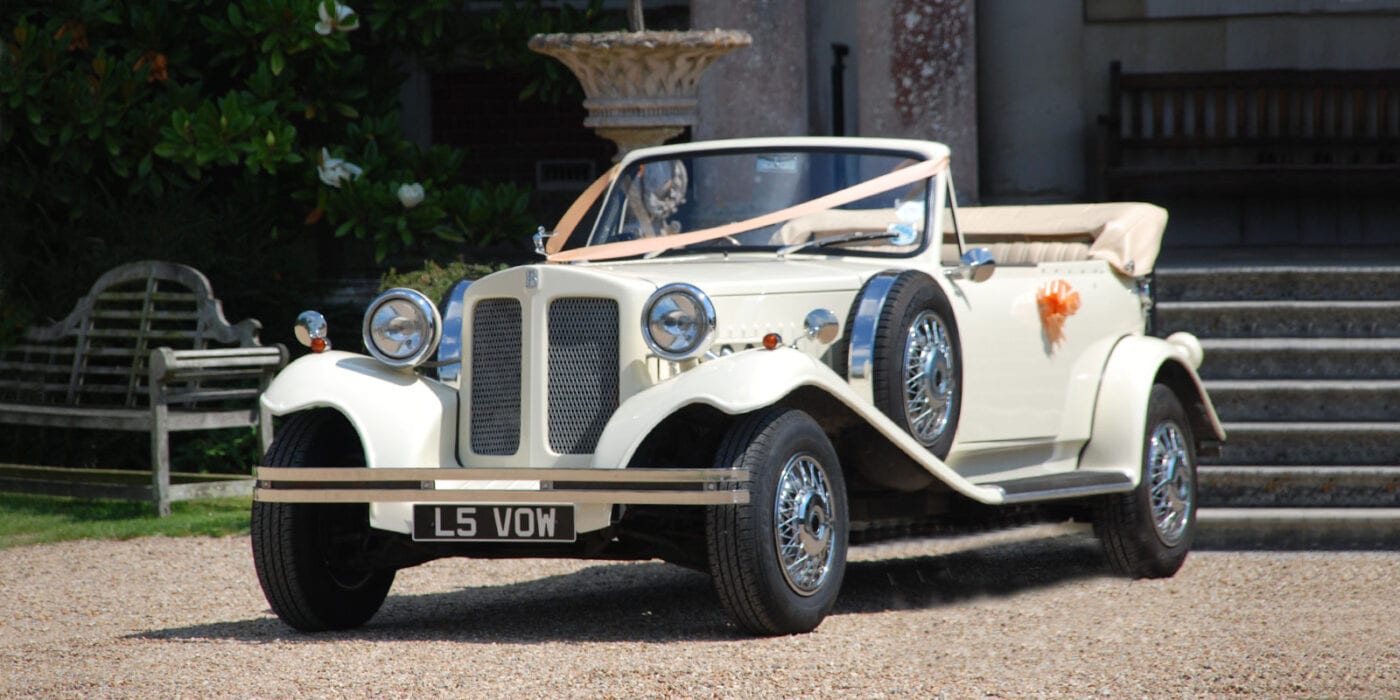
(1306, 486)
(1302, 362)
(1302, 400)
(1300, 443)
(1236, 319)
(1256, 282)
(1299, 528)
(1301, 358)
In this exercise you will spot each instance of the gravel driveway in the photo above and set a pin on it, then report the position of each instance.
(1001, 616)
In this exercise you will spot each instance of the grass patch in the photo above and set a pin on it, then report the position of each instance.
(28, 519)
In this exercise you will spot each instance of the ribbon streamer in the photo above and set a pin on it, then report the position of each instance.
(1057, 301)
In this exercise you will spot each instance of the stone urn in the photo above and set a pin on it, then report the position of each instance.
(639, 87)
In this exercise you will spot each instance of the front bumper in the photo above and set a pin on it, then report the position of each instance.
(688, 487)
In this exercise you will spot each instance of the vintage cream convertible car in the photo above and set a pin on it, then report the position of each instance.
(758, 351)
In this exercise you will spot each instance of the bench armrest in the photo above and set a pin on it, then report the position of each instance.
(168, 365)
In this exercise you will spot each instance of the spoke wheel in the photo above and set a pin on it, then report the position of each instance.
(778, 561)
(1148, 532)
(930, 377)
(803, 530)
(1169, 478)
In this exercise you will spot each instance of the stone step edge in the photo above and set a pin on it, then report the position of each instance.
(1169, 269)
(1293, 518)
(1349, 384)
(1276, 427)
(1268, 343)
(1280, 304)
(1305, 470)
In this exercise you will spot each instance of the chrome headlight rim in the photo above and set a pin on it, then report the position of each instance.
(707, 316)
(429, 314)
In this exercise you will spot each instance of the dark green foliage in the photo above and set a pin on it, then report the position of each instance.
(196, 131)
(126, 123)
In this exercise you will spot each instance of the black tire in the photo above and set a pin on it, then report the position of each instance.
(915, 298)
(788, 457)
(305, 553)
(1148, 532)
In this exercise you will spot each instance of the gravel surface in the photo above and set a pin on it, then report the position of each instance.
(1002, 616)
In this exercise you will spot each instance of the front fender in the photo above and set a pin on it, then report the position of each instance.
(1120, 411)
(749, 380)
(403, 419)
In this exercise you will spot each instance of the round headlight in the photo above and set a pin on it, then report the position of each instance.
(402, 328)
(678, 322)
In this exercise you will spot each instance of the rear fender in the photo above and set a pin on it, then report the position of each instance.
(1120, 411)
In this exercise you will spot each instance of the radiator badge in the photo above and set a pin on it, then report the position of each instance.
(532, 279)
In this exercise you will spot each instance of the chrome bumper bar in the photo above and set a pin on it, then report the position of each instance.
(417, 485)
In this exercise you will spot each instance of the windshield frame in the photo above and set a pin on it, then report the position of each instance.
(932, 195)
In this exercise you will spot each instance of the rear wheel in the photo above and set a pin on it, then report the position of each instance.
(311, 557)
(778, 561)
(1148, 533)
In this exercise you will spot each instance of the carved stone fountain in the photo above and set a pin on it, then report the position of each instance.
(639, 86)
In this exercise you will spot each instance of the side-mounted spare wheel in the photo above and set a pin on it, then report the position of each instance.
(909, 353)
(778, 560)
(309, 556)
(1148, 532)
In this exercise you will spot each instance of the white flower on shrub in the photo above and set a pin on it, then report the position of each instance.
(333, 171)
(411, 194)
(334, 16)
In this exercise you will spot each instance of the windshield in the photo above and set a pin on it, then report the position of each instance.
(699, 191)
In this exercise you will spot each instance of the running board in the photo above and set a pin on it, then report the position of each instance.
(1056, 486)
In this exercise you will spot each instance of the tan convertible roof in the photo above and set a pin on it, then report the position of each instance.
(1126, 235)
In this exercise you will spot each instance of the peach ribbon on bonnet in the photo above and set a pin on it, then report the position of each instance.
(621, 249)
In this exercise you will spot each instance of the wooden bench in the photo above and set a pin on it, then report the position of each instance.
(149, 350)
(1256, 132)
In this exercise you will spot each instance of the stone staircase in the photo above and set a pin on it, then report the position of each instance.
(1302, 360)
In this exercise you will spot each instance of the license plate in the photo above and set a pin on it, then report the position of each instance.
(493, 523)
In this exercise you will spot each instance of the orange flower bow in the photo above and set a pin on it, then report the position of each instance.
(1057, 302)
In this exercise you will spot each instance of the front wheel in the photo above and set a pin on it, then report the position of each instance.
(311, 557)
(1148, 532)
(778, 561)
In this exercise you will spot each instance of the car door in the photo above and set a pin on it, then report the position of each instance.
(1023, 371)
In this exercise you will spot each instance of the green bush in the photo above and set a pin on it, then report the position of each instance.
(434, 280)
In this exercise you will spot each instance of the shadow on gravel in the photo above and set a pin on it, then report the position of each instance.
(654, 602)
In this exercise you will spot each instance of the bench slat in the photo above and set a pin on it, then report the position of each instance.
(35, 367)
(149, 335)
(142, 296)
(154, 315)
(1250, 131)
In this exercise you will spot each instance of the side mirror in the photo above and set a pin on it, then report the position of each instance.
(978, 264)
(822, 325)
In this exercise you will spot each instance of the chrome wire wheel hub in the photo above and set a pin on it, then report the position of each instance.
(1169, 477)
(929, 378)
(803, 528)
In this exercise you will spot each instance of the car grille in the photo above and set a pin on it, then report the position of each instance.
(583, 367)
(495, 408)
